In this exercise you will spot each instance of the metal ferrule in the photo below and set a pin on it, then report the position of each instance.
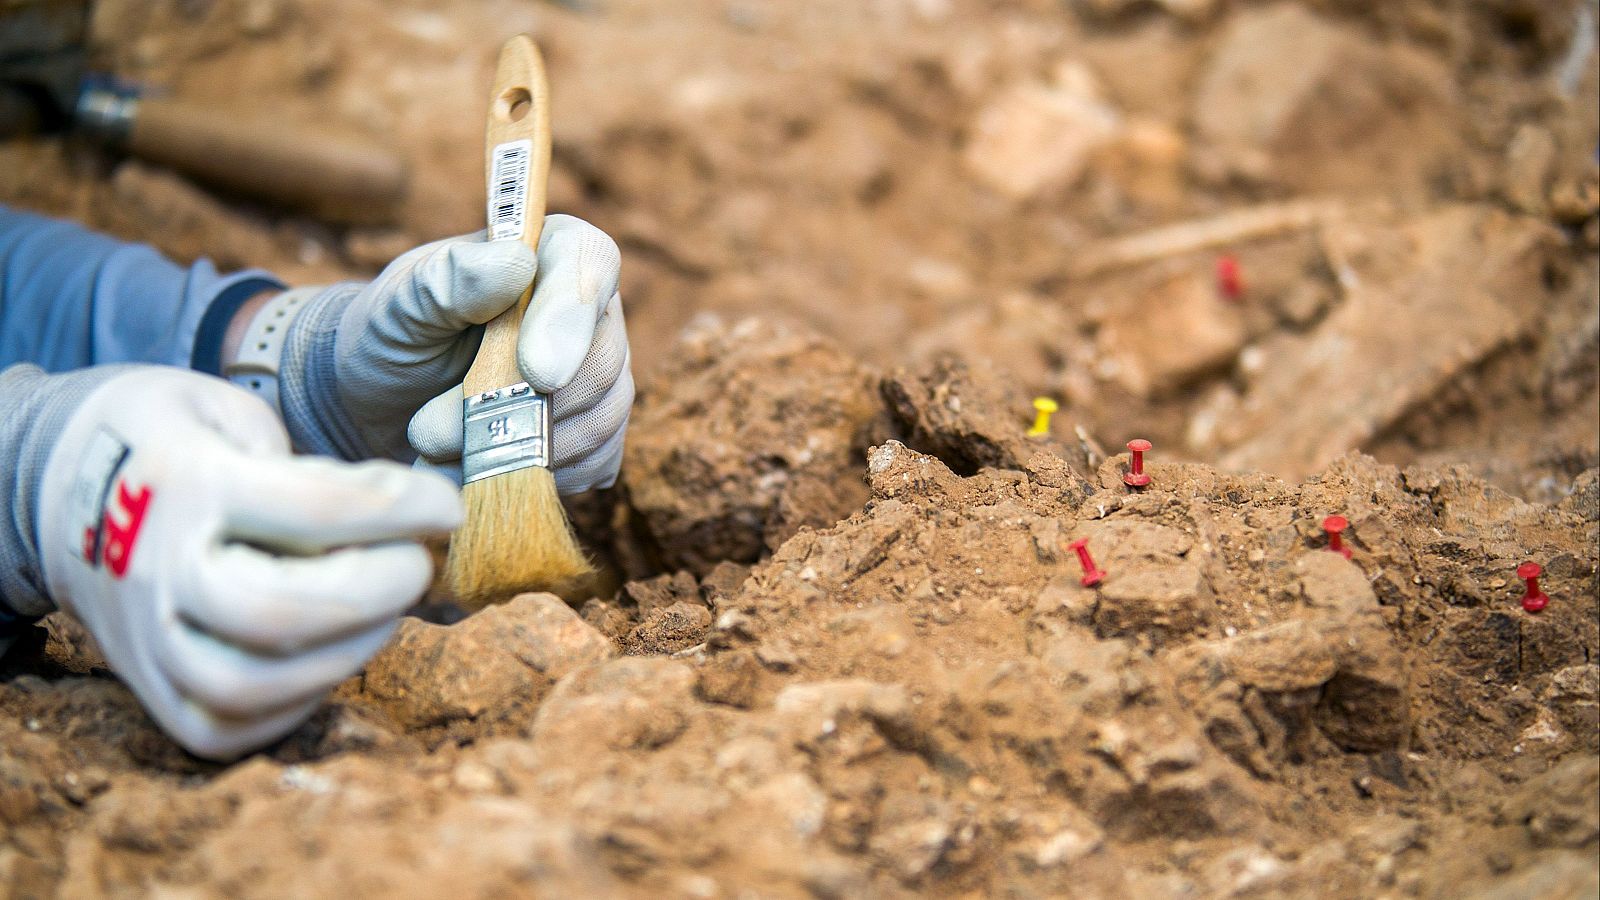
(106, 115)
(506, 430)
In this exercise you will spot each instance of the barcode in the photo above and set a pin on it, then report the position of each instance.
(508, 190)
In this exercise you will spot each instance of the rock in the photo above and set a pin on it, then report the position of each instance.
(1162, 602)
(358, 813)
(1295, 99)
(731, 628)
(723, 582)
(1067, 846)
(1148, 164)
(1303, 302)
(1068, 595)
(1365, 705)
(1424, 302)
(633, 703)
(1334, 665)
(750, 433)
(1549, 645)
(1564, 875)
(796, 800)
(1137, 339)
(969, 418)
(69, 645)
(1584, 501)
(1293, 656)
(677, 627)
(812, 711)
(1037, 137)
(606, 617)
(895, 470)
(1021, 334)
(1120, 540)
(1576, 684)
(912, 848)
(1165, 779)
(1529, 167)
(662, 591)
(1340, 671)
(1151, 588)
(733, 678)
(1483, 643)
(1561, 807)
(1246, 871)
(1332, 585)
(339, 728)
(1575, 201)
(497, 660)
(1574, 694)
(851, 152)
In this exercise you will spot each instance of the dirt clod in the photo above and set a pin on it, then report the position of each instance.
(484, 668)
(770, 463)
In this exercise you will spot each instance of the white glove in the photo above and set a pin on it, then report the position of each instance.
(227, 582)
(361, 360)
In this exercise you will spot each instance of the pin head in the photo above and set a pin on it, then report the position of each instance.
(1229, 283)
(1534, 599)
(1044, 406)
(1334, 525)
(1136, 475)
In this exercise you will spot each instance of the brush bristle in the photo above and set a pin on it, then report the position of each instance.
(515, 538)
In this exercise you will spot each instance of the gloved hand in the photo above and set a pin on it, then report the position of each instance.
(229, 584)
(361, 360)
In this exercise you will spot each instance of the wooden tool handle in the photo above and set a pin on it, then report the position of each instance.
(519, 117)
(338, 178)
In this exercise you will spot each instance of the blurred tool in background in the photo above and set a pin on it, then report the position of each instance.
(47, 87)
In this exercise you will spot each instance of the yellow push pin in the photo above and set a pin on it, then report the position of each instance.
(1041, 422)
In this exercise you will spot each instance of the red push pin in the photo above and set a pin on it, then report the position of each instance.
(1535, 599)
(1333, 525)
(1136, 476)
(1091, 574)
(1229, 284)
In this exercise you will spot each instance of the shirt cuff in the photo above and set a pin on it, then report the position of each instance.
(207, 355)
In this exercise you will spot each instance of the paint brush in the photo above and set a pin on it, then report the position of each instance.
(516, 536)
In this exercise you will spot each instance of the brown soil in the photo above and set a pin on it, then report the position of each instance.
(842, 648)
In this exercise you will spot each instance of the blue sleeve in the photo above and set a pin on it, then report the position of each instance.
(71, 298)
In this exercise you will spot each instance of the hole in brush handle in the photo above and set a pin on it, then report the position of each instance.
(514, 104)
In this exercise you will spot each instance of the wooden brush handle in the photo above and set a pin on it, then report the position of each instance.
(519, 110)
(338, 178)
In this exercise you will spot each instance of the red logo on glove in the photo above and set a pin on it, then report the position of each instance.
(119, 538)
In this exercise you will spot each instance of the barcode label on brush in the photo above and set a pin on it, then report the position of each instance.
(508, 190)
